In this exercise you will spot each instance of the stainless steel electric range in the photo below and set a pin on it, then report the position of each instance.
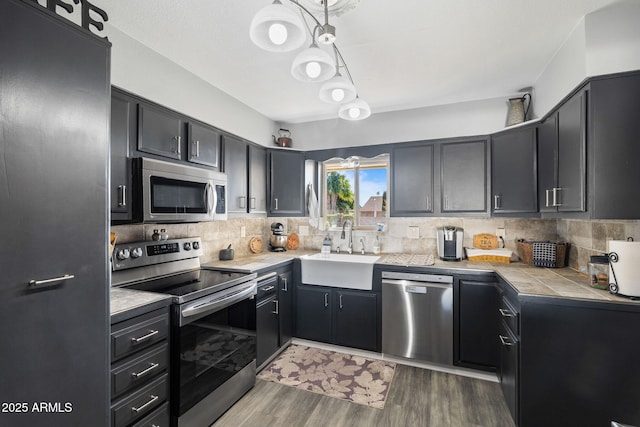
(213, 324)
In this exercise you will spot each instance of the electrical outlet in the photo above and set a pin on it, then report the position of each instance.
(413, 232)
(243, 231)
(500, 233)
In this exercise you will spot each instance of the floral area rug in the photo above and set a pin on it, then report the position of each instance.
(343, 376)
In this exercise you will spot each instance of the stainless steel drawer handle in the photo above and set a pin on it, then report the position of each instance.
(144, 337)
(146, 371)
(122, 196)
(35, 283)
(141, 408)
(286, 285)
(505, 313)
(326, 300)
(277, 307)
(267, 288)
(505, 341)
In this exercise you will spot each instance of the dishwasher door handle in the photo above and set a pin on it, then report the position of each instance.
(415, 287)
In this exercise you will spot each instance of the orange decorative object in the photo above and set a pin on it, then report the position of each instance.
(255, 245)
(293, 242)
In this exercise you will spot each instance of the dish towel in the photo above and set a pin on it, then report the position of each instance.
(312, 206)
(544, 254)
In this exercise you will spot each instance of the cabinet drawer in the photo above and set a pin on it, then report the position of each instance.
(159, 418)
(509, 315)
(140, 403)
(138, 333)
(139, 369)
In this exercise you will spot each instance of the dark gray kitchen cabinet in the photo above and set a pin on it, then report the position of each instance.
(203, 146)
(285, 303)
(578, 365)
(267, 328)
(613, 149)
(235, 166)
(562, 154)
(412, 180)
(314, 312)
(463, 168)
(356, 319)
(257, 180)
(54, 148)
(337, 316)
(476, 324)
(513, 171)
(123, 136)
(286, 183)
(160, 131)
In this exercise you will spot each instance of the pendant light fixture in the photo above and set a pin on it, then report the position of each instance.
(354, 110)
(276, 28)
(313, 65)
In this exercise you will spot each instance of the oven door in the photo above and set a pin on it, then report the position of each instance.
(213, 354)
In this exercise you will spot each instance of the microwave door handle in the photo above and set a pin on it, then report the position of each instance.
(210, 198)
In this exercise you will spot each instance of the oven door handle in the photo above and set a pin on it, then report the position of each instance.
(212, 305)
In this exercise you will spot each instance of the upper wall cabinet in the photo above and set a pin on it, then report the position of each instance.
(203, 145)
(614, 147)
(159, 131)
(123, 137)
(513, 171)
(463, 167)
(412, 180)
(561, 157)
(286, 183)
(235, 166)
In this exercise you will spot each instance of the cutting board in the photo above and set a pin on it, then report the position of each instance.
(485, 241)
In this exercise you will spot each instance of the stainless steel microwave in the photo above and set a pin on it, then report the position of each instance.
(173, 192)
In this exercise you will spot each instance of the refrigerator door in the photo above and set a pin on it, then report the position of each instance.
(54, 307)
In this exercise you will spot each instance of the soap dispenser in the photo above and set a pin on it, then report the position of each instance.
(376, 246)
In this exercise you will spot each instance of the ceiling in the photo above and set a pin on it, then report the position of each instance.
(424, 53)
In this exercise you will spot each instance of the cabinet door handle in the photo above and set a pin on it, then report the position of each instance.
(197, 148)
(146, 371)
(252, 203)
(506, 341)
(326, 300)
(150, 402)
(122, 195)
(285, 288)
(446, 202)
(505, 313)
(341, 302)
(276, 203)
(49, 282)
(427, 204)
(277, 310)
(496, 202)
(556, 190)
(243, 202)
(178, 139)
(144, 337)
(546, 203)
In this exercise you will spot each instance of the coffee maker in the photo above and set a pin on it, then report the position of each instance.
(450, 240)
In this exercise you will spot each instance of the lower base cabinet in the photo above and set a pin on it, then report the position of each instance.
(338, 316)
(140, 370)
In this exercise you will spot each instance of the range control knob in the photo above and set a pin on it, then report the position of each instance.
(187, 246)
(136, 252)
(196, 245)
(123, 254)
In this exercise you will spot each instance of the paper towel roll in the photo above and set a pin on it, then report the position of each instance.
(627, 269)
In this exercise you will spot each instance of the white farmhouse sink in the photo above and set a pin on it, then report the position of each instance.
(338, 270)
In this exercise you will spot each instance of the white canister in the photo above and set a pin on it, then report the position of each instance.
(624, 267)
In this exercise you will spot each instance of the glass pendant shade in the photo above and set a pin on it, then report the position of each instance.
(338, 90)
(354, 110)
(313, 65)
(277, 28)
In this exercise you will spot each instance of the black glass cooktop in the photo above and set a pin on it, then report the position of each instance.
(191, 282)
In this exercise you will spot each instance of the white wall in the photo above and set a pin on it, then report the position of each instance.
(613, 38)
(140, 70)
(463, 119)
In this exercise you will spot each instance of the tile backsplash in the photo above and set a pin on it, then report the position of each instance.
(586, 237)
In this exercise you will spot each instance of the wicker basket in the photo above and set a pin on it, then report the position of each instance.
(502, 256)
(525, 250)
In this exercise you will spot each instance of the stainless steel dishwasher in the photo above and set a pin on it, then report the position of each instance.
(417, 316)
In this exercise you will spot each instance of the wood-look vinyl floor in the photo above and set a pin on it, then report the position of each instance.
(417, 397)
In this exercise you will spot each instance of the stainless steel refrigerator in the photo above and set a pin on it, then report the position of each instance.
(54, 305)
